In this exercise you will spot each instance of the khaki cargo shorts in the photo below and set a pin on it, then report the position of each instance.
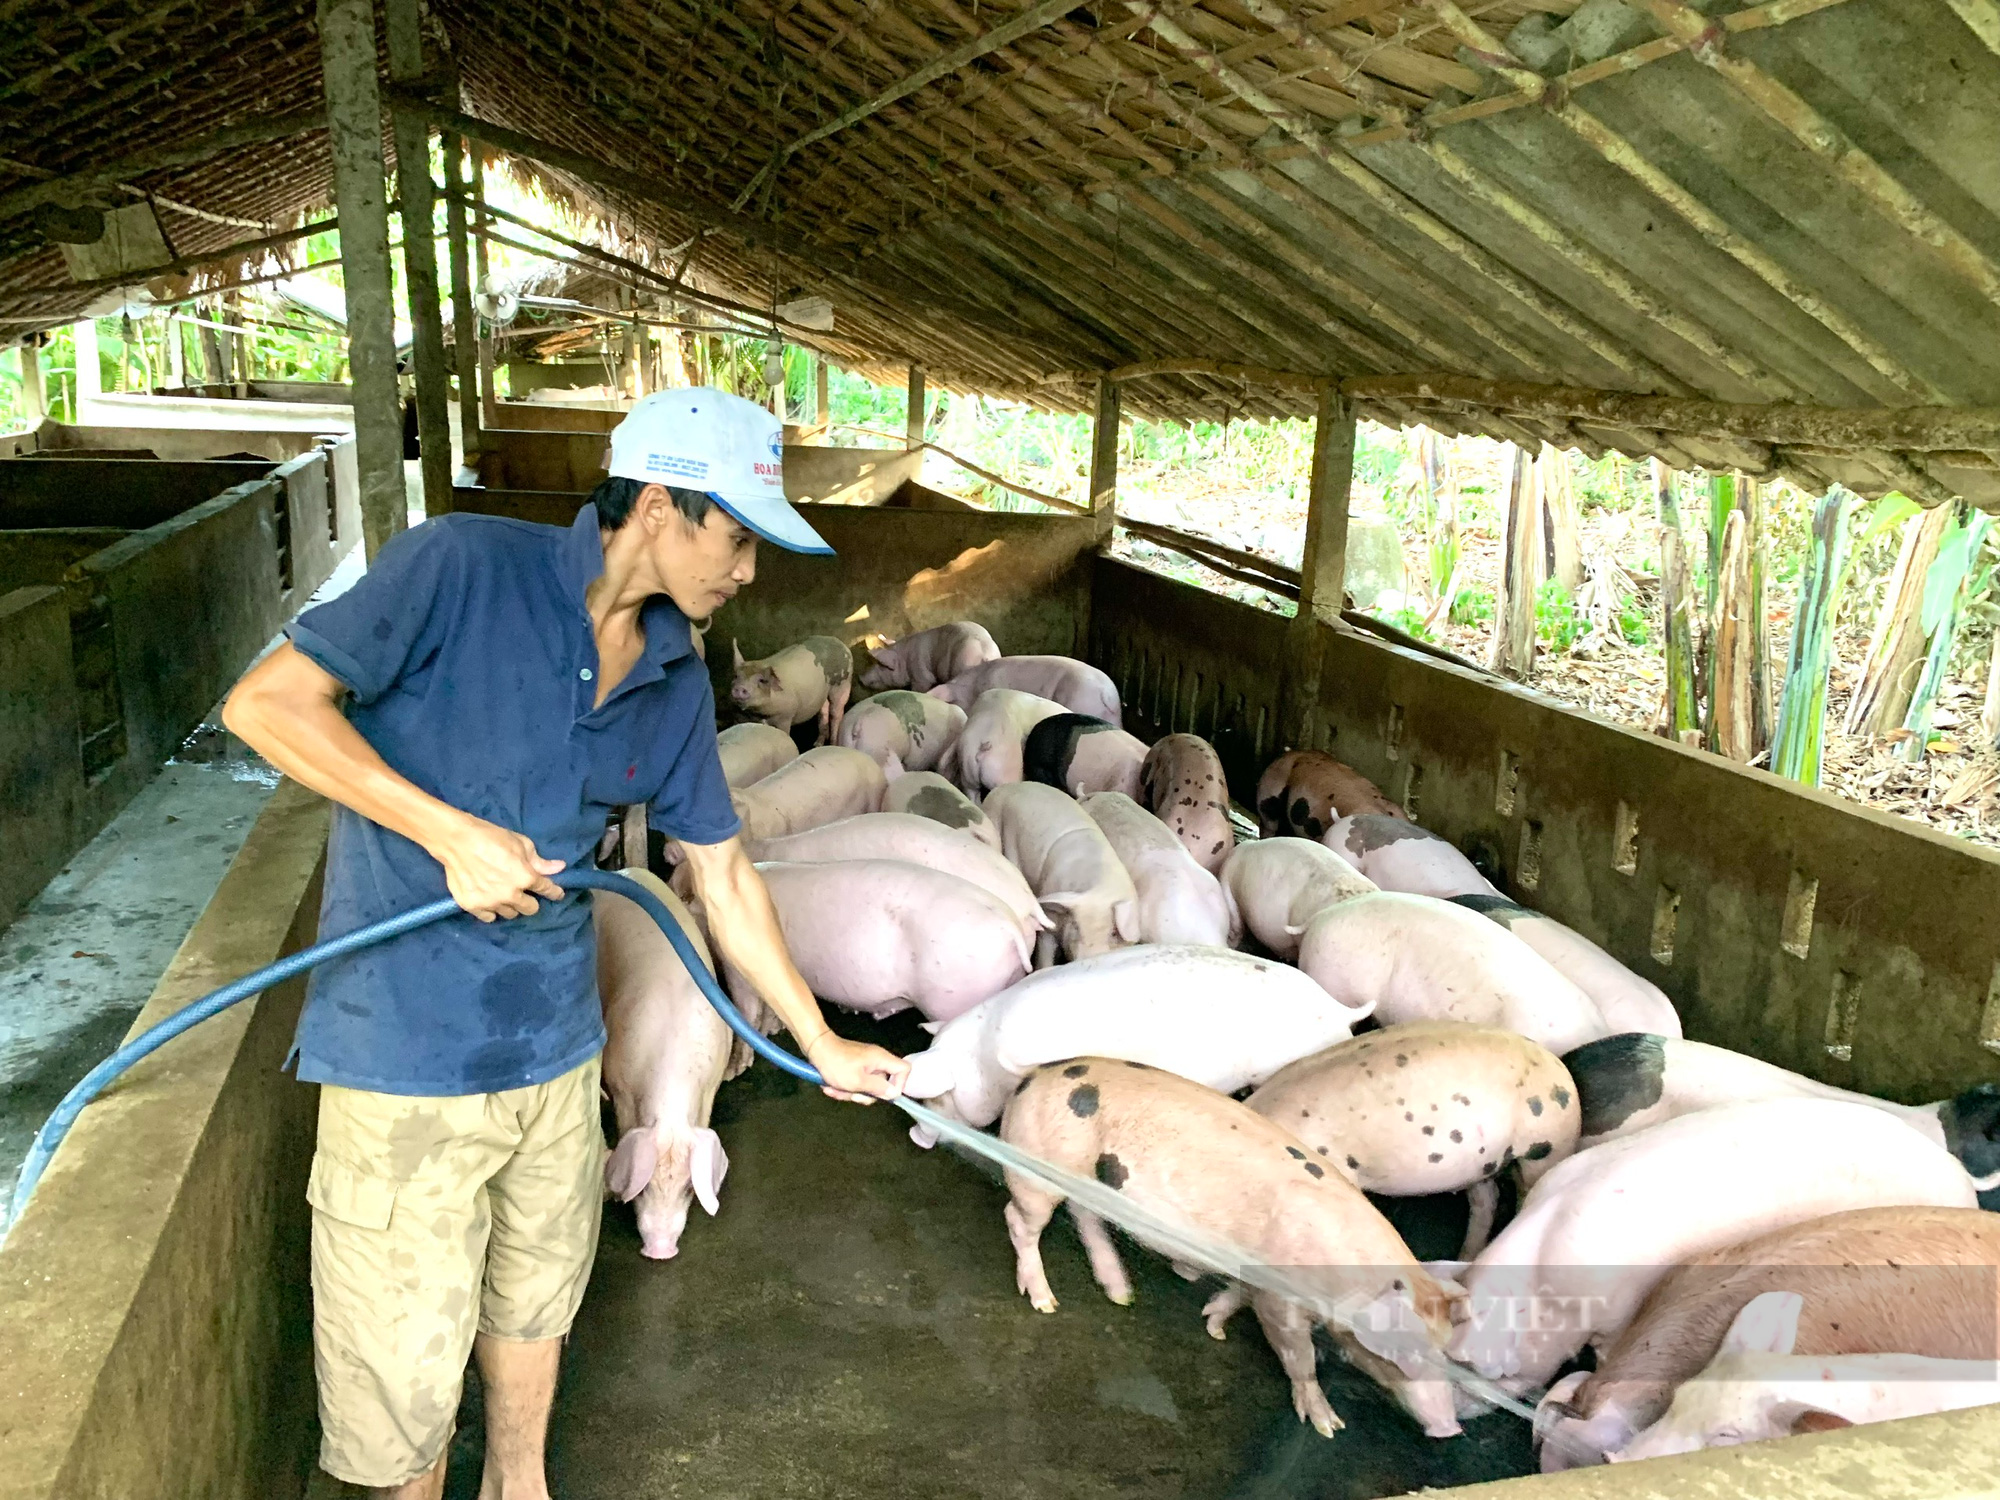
(433, 1218)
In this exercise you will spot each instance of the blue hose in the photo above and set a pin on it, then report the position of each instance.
(147, 1042)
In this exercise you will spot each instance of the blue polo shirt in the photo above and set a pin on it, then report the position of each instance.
(472, 666)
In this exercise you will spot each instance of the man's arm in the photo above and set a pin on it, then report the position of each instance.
(744, 924)
(287, 708)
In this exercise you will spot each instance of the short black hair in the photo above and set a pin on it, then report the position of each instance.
(614, 499)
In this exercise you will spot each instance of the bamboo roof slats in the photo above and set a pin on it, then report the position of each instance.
(1780, 206)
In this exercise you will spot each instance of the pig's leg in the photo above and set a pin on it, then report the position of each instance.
(1289, 1329)
(825, 723)
(1223, 1306)
(1484, 1197)
(1028, 1214)
(836, 705)
(1045, 949)
(1104, 1262)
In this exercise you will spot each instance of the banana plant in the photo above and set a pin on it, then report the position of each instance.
(1800, 735)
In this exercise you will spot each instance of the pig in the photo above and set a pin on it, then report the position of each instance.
(919, 840)
(665, 1054)
(1601, 1230)
(989, 750)
(1179, 901)
(1757, 1389)
(1416, 959)
(1632, 1081)
(821, 786)
(1275, 886)
(1083, 755)
(1400, 856)
(882, 935)
(1303, 792)
(902, 731)
(923, 660)
(750, 752)
(1436, 1107)
(803, 682)
(928, 795)
(1183, 786)
(1071, 867)
(1872, 1278)
(1222, 1018)
(1191, 1156)
(1077, 686)
(1626, 1001)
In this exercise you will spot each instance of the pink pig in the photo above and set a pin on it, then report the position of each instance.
(820, 786)
(1072, 868)
(882, 935)
(666, 1054)
(810, 680)
(1179, 901)
(992, 744)
(1077, 686)
(923, 660)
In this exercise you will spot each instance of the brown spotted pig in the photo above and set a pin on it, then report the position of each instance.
(810, 680)
(1435, 1107)
(1185, 789)
(1304, 792)
(1192, 1156)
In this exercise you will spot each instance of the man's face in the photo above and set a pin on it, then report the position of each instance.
(700, 567)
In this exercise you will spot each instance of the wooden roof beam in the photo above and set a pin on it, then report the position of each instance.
(1848, 429)
(1828, 143)
(1398, 206)
(1621, 153)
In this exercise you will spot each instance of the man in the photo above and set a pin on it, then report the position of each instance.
(506, 685)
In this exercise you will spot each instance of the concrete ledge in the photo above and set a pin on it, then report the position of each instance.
(154, 1324)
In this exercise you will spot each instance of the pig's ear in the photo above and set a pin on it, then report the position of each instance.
(1557, 1401)
(941, 692)
(632, 1163)
(736, 654)
(1391, 1327)
(708, 1164)
(1125, 917)
(1768, 1324)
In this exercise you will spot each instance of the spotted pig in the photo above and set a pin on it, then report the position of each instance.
(1183, 786)
(1196, 1157)
(903, 731)
(1436, 1107)
(1303, 792)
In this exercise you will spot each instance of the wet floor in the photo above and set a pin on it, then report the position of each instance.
(848, 1326)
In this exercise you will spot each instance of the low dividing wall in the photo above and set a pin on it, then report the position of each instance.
(573, 461)
(1827, 938)
(41, 491)
(109, 661)
(173, 442)
(155, 1334)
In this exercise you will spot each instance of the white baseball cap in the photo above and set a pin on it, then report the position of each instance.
(730, 449)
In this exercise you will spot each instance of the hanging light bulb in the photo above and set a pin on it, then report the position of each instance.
(774, 366)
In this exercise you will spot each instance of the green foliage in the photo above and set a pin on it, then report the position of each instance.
(1557, 624)
(1407, 620)
(1472, 607)
(1633, 625)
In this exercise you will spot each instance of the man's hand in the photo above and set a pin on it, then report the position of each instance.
(493, 872)
(855, 1071)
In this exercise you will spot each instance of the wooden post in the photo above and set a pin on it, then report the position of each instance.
(211, 344)
(913, 422)
(354, 129)
(34, 396)
(1731, 729)
(464, 311)
(404, 25)
(1104, 456)
(489, 393)
(1520, 571)
(1322, 567)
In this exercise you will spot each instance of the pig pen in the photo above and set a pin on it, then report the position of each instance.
(849, 1323)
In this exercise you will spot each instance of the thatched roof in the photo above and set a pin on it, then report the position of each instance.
(1795, 202)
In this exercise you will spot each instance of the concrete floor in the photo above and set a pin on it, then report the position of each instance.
(848, 1326)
